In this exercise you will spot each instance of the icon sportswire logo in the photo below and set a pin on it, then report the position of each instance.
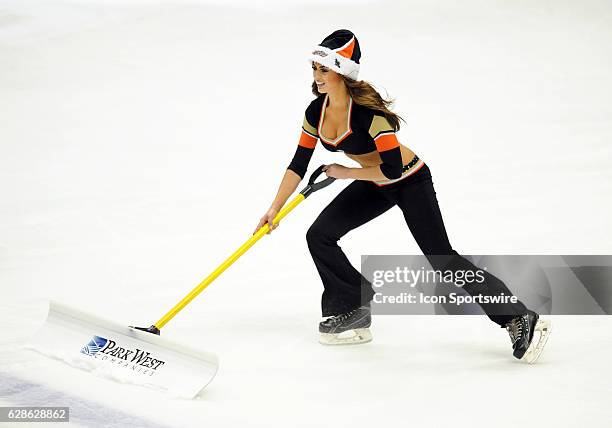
(109, 351)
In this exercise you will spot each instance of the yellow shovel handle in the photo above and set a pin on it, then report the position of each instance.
(231, 259)
(309, 189)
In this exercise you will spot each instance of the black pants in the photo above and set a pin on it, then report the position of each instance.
(363, 200)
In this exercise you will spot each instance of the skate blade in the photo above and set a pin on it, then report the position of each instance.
(349, 337)
(543, 327)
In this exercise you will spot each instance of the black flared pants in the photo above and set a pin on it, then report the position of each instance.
(362, 201)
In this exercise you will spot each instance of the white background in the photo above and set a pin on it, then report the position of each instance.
(141, 141)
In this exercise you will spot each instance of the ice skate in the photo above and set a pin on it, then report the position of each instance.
(523, 331)
(347, 328)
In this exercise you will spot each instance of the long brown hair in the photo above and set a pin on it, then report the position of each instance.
(363, 93)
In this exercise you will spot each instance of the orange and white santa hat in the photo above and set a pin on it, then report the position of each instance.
(340, 52)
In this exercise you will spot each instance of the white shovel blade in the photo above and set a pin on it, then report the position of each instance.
(116, 351)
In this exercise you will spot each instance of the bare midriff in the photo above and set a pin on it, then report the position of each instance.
(373, 158)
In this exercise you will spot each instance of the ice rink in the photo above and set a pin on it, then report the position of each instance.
(141, 142)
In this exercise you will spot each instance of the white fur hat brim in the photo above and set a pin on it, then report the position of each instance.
(334, 61)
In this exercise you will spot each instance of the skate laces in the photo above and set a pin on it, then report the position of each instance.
(516, 328)
(336, 319)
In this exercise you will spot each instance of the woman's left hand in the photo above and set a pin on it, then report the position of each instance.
(337, 171)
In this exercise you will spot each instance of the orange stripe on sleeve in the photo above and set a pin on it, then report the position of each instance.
(307, 140)
(386, 142)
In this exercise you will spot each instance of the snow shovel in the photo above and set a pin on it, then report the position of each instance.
(139, 355)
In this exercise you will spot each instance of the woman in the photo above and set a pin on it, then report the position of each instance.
(350, 116)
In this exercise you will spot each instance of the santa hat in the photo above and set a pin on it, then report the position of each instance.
(340, 52)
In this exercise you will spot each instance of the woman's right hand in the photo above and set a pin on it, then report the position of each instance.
(268, 217)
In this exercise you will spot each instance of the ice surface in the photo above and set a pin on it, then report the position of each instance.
(141, 141)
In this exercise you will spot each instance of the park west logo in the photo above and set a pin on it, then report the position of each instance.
(136, 359)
